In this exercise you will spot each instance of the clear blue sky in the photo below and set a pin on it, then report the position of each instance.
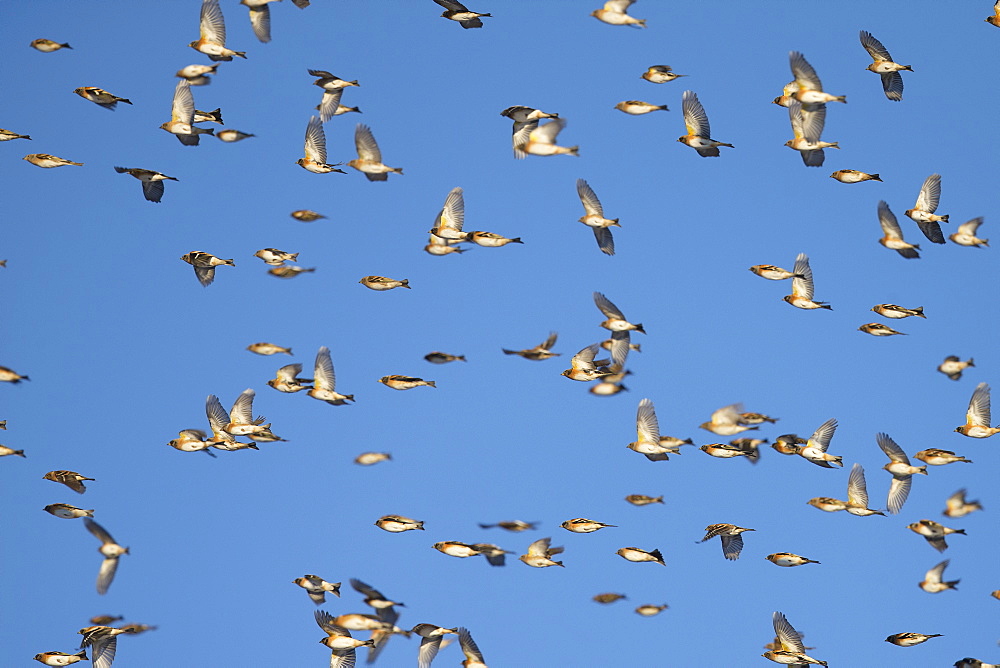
(122, 344)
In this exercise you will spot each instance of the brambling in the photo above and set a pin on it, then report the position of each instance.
(342, 644)
(651, 610)
(191, 440)
(315, 149)
(896, 312)
(540, 554)
(639, 555)
(892, 82)
(306, 215)
(660, 74)
(381, 283)
(212, 41)
(608, 598)
(453, 548)
(103, 642)
(643, 500)
(541, 140)
(264, 348)
(922, 212)
(370, 458)
(317, 587)
(430, 642)
(204, 265)
(47, 45)
(935, 457)
(638, 107)
(473, 655)
(878, 329)
(787, 94)
(11, 376)
(449, 221)
(47, 161)
(802, 288)
(773, 273)
(491, 239)
(110, 550)
(456, 11)
(197, 75)
(542, 351)
(756, 418)
(699, 132)
(369, 160)
(934, 533)
(932, 582)
(286, 379)
(260, 18)
(726, 421)
(181, 123)
(525, 121)
(815, 448)
(788, 560)
(5, 451)
(893, 238)
(582, 525)
(398, 382)
(60, 658)
(515, 526)
(136, 629)
(806, 130)
(977, 418)
(615, 13)
(648, 435)
(827, 504)
(723, 450)
(792, 650)
(853, 176)
(594, 217)
(732, 541)
(437, 357)
(583, 368)
(438, 246)
(857, 494)
(910, 639)
(100, 97)
(71, 479)
(8, 135)
(325, 381)
(616, 321)
(965, 235)
(957, 506)
(810, 93)
(229, 135)
(398, 524)
(66, 511)
(152, 181)
(275, 257)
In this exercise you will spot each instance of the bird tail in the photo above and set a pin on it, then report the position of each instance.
(431, 383)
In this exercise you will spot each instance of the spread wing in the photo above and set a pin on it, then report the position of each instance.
(857, 490)
(891, 449)
(546, 134)
(887, 219)
(979, 407)
(584, 360)
(98, 531)
(874, 47)
(605, 240)
(607, 308)
(803, 287)
(217, 416)
(104, 576)
(428, 650)
(970, 227)
(152, 190)
(790, 639)
(315, 141)
(805, 75)
(821, 437)
(930, 193)
(364, 142)
(892, 84)
(260, 21)
(328, 105)
(591, 204)
(646, 424)
(323, 376)
(469, 647)
(550, 342)
(618, 5)
(732, 546)
(102, 652)
(182, 108)
(695, 117)
(213, 26)
(453, 212)
(242, 411)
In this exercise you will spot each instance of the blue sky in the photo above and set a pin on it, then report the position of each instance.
(122, 344)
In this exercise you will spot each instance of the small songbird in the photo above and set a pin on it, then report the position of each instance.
(325, 381)
(516, 526)
(230, 135)
(815, 448)
(638, 107)
(494, 554)
(896, 312)
(660, 74)
(275, 258)
(807, 128)
(583, 367)
(438, 246)
(643, 500)
(491, 239)
(750, 447)
(853, 176)
(454, 548)
(398, 524)
(977, 418)
(732, 541)
(66, 511)
(315, 149)
(934, 533)
(608, 598)
(541, 140)
(726, 421)
(525, 121)
(893, 238)
(265, 348)
(286, 379)
(181, 123)
(192, 440)
(343, 645)
(369, 160)
(100, 97)
(289, 271)
(47, 161)
(137, 628)
(102, 641)
(699, 133)
(398, 382)
(792, 651)
(910, 639)
(449, 221)
(827, 504)
(317, 587)
(773, 273)
(594, 217)
(111, 552)
(60, 658)
(212, 41)
(260, 18)
(539, 554)
(430, 642)
(8, 135)
(456, 11)
(542, 351)
(922, 212)
(473, 655)
(723, 450)
(370, 458)
(936, 457)
(802, 288)
(443, 358)
(857, 494)
(932, 582)
(957, 506)
(204, 265)
(11, 376)
(649, 610)
(241, 419)
(615, 13)
(810, 93)
(648, 441)
(787, 559)
(639, 555)
(878, 329)
(381, 283)
(384, 607)
(71, 479)
(616, 321)
(152, 181)
(583, 525)
(197, 75)
(965, 235)
(892, 82)
(47, 45)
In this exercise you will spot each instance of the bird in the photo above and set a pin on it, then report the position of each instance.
(594, 217)
(398, 382)
(892, 81)
(958, 506)
(608, 598)
(788, 560)
(992, 20)
(583, 368)
(615, 12)
(103, 642)
(494, 554)
(965, 235)
(8, 135)
(241, 419)
(643, 499)
(381, 283)
(616, 321)
(802, 288)
(648, 434)
(315, 150)
(181, 123)
(922, 212)
(491, 239)
(932, 582)
(853, 176)
(699, 134)
(317, 587)
(325, 381)
(660, 74)
(977, 418)
(910, 639)
(430, 642)
(896, 312)
(260, 18)
(878, 329)
(456, 11)
(384, 607)
(639, 555)
(723, 450)
(60, 658)
(893, 238)
(541, 140)
(289, 271)
(454, 548)
(275, 258)
(111, 551)
(649, 610)
(525, 121)
(542, 351)
(66, 511)
(638, 107)
(230, 135)
(339, 640)
(369, 160)
(810, 93)
(370, 458)
(792, 650)
(438, 357)
(934, 533)
(473, 655)
(11, 376)
(539, 554)
(100, 97)
(583, 525)
(857, 494)
(152, 181)
(936, 457)
(726, 421)
(71, 479)
(212, 40)
(333, 90)
(773, 273)
(48, 161)
(815, 448)
(204, 265)
(197, 75)
(807, 129)
(264, 348)
(449, 221)
(48, 45)
(192, 440)
(515, 526)
(732, 540)
(398, 524)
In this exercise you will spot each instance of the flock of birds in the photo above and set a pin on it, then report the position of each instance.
(535, 133)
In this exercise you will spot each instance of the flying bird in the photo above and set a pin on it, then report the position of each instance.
(977, 418)
(893, 238)
(325, 381)
(660, 74)
(539, 554)
(802, 286)
(542, 351)
(204, 265)
(456, 11)
(594, 217)
(699, 134)
(892, 81)
(152, 181)
(71, 479)
(933, 582)
(103, 642)
(815, 448)
(922, 212)
(181, 123)
(525, 121)
(212, 40)
(315, 148)
(965, 235)
(100, 97)
(901, 470)
(732, 540)
(369, 160)
(110, 550)
(807, 128)
(648, 430)
(615, 12)
(792, 651)
(541, 140)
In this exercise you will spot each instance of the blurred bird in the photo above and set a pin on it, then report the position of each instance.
(638, 107)
(910, 639)
(370, 458)
(66, 511)
(325, 380)
(430, 642)
(699, 133)
(100, 97)
(541, 140)
(773, 273)
(726, 421)
(315, 149)
(275, 257)
(47, 45)
(935, 457)
(229, 135)
(810, 93)
(878, 329)
(540, 555)
(381, 283)
(514, 525)
(286, 379)
(152, 182)
(289, 271)
(398, 524)
(616, 321)
(615, 13)
(648, 429)
(443, 358)
(802, 288)
(103, 642)
(71, 479)
(896, 312)
(965, 235)
(212, 41)
(957, 506)
(792, 650)
(204, 265)
(473, 656)
(333, 90)
(583, 525)
(932, 582)
(732, 541)
(993, 20)
(8, 135)
(639, 555)
(893, 238)
(494, 554)
(660, 74)
(892, 82)
(47, 161)
(456, 11)
(137, 628)
(398, 382)
(787, 559)
(922, 212)
(756, 418)
(651, 610)
(384, 607)
(317, 587)
(454, 548)
(583, 367)
(11, 376)
(197, 75)
(857, 494)
(60, 658)
(542, 351)
(525, 121)
(594, 217)
(264, 348)
(369, 160)
(643, 500)
(807, 127)
(111, 552)
(815, 448)
(853, 176)
(260, 18)
(934, 533)
(977, 418)
(749, 447)
(608, 598)
(827, 504)
(181, 123)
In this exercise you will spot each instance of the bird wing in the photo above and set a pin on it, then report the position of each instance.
(621, 344)
(343, 658)
(469, 647)
(213, 26)
(323, 376)
(364, 142)
(646, 424)
(899, 490)
(106, 575)
(102, 652)
(328, 105)
(727, 414)
(813, 122)
(315, 141)
(930, 193)
(790, 639)
(452, 6)
(618, 5)
(182, 108)
(892, 84)
(550, 342)
(289, 373)
(584, 360)
(857, 491)
(98, 531)
(821, 437)
(326, 622)
(979, 407)
(205, 275)
(607, 308)
(887, 219)
(695, 118)
(546, 134)
(152, 190)
(367, 590)
(242, 411)
(260, 21)
(935, 574)
(971, 226)
(605, 240)
(891, 449)
(217, 416)
(540, 547)
(591, 204)
(795, 118)
(732, 546)
(453, 212)
(428, 650)
(805, 75)
(874, 47)
(803, 287)
(522, 133)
